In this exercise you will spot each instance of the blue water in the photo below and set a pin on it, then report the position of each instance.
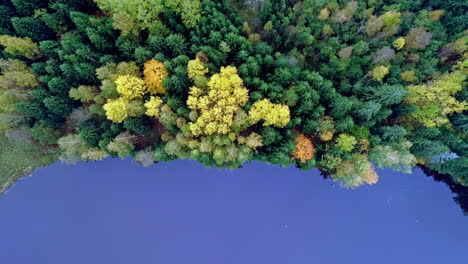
(181, 213)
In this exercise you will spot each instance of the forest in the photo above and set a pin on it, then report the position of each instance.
(342, 86)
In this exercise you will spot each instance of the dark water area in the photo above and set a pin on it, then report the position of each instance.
(182, 213)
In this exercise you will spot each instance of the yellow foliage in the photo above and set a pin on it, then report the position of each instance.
(116, 110)
(399, 43)
(435, 15)
(408, 76)
(253, 141)
(154, 74)
(324, 14)
(152, 106)
(195, 68)
(379, 72)
(326, 135)
(130, 87)
(273, 114)
(391, 18)
(304, 148)
(218, 104)
(436, 99)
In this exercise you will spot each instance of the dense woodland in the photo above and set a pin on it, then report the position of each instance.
(342, 86)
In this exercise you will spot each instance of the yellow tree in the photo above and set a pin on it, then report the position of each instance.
(436, 100)
(130, 87)
(379, 72)
(153, 106)
(116, 110)
(399, 43)
(196, 68)
(273, 114)
(154, 74)
(225, 94)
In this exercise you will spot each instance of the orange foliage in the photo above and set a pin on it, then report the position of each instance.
(304, 148)
(154, 74)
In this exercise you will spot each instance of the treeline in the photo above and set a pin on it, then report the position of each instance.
(344, 86)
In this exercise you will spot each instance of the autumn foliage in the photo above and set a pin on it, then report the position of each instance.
(272, 114)
(218, 104)
(154, 74)
(304, 148)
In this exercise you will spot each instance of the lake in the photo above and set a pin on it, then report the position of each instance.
(114, 211)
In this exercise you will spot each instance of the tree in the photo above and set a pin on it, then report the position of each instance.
(139, 125)
(84, 93)
(190, 11)
(379, 72)
(27, 7)
(383, 55)
(24, 47)
(59, 106)
(346, 142)
(217, 106)
(90, 132)
(399, 43)
(418, 38)
(116, 110)
(154, 74)
(272, 114)
(346, 13)
(253, 141)
(196, 68)
(392, 133)
(304, 149)
(33, 28)
(125, 23)
(130, 87)
(45, 134)
(408, 76)
(388, 94)
(436, 100)
(146, 13)
(16, 74)
(153, 106)
(122, 144)
(326, 128)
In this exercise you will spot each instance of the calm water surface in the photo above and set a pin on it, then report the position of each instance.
(181, 213)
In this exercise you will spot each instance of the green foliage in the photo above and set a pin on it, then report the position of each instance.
(45, 134)
(20, 46)
(32, 28)
(346, 142)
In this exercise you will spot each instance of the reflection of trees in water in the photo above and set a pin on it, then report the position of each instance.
(460, 191)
